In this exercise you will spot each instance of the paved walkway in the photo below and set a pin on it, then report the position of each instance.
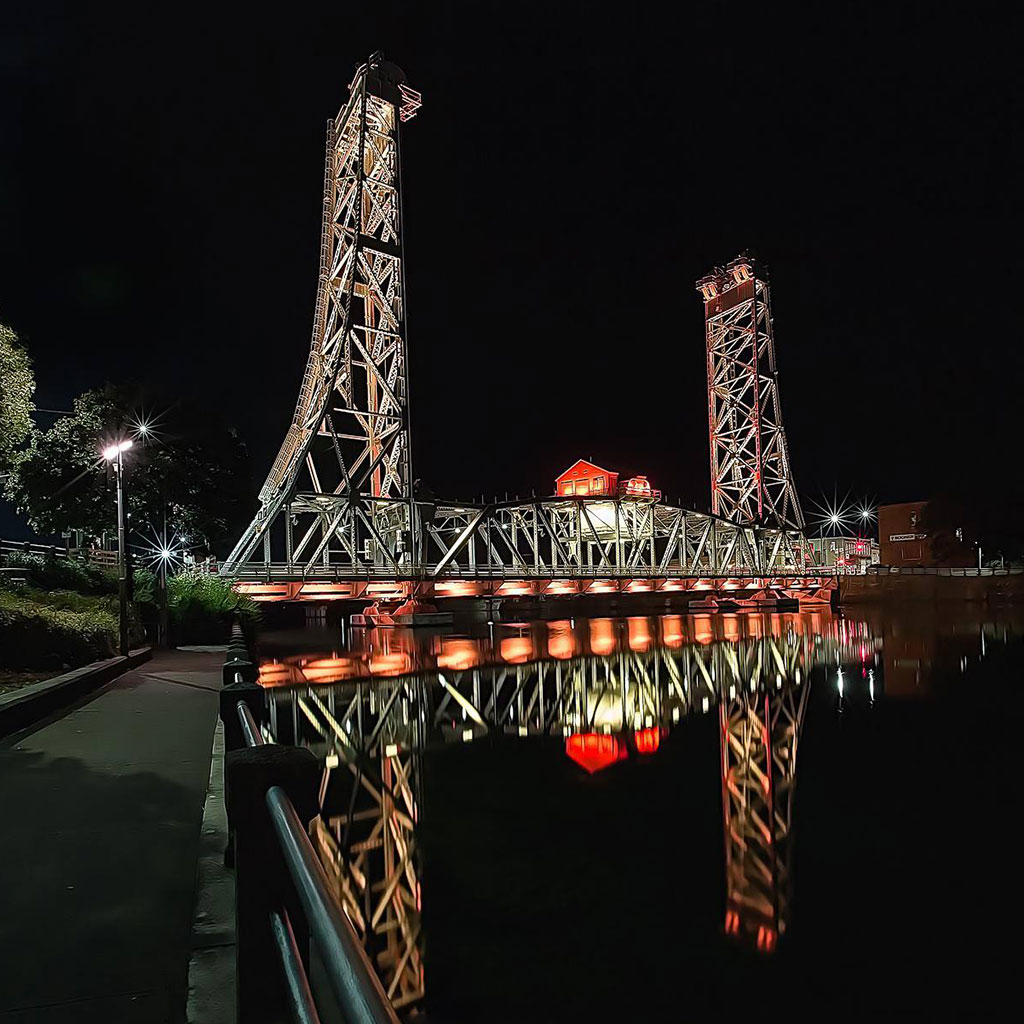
(100, 815)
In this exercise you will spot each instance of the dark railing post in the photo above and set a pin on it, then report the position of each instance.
(262, 882)
(239, 684)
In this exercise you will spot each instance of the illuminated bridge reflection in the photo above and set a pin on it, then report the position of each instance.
(609, 690)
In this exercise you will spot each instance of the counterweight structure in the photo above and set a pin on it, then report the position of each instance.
(751, 479)
(340, 489)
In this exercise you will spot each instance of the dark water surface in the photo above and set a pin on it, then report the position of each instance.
(738, 815)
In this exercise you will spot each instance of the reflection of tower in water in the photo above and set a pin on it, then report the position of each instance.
(367, 840)
(760, 729)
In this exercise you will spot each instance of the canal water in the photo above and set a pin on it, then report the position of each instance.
(605, 819)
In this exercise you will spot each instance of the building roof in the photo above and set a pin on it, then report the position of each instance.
(589, 467)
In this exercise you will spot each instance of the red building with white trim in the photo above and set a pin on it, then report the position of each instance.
(587, 479)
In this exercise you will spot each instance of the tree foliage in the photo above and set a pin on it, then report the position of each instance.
(17, 385)
(189, 468)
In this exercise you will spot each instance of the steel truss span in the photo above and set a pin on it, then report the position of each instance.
(751, 479)
(348, 442)
(543, 547)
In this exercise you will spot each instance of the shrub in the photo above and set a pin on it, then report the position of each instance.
(64, 573)
(36, 635)
(202, 608)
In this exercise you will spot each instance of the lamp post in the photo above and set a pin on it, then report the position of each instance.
(165, 557)
(114, 455)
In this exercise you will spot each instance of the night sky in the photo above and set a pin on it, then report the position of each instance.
(567, 180)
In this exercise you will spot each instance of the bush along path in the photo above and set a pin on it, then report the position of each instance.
(57, 615)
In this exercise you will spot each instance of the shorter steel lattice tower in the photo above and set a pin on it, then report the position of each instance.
(751, 479)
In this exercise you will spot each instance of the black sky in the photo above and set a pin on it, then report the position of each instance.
(568, 179)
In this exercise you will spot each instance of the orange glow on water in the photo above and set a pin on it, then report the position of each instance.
(672, 630)
(561, 640)
(458, 654)
(639, 635)
(516, 649)
(602, 636)
(702, 630)
(390, 664)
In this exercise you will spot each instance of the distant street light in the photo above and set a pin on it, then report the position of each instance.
(114, 455)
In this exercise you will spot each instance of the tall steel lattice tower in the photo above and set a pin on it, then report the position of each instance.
(340, 489)
(751, 479)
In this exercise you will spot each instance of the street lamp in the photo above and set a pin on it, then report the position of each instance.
(114, 455)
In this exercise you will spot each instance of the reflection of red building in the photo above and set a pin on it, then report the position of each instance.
(584, 477)
(593, 752)
(647, 740)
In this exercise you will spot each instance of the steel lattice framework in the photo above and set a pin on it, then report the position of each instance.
(342, 481)
(751, 479)
(556, 546)
(338, 517)
(377, 735)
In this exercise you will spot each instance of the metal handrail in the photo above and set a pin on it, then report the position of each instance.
(250, 730)
(360, 995)
(356, 987)
(24, 547)
(301, 997)
(942, 570)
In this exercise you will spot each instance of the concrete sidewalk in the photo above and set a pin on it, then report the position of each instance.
(100, 816)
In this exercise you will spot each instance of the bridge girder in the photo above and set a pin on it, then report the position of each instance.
(614, 538)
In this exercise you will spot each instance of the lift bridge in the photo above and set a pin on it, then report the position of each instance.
(340, 515)
(608, 690)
